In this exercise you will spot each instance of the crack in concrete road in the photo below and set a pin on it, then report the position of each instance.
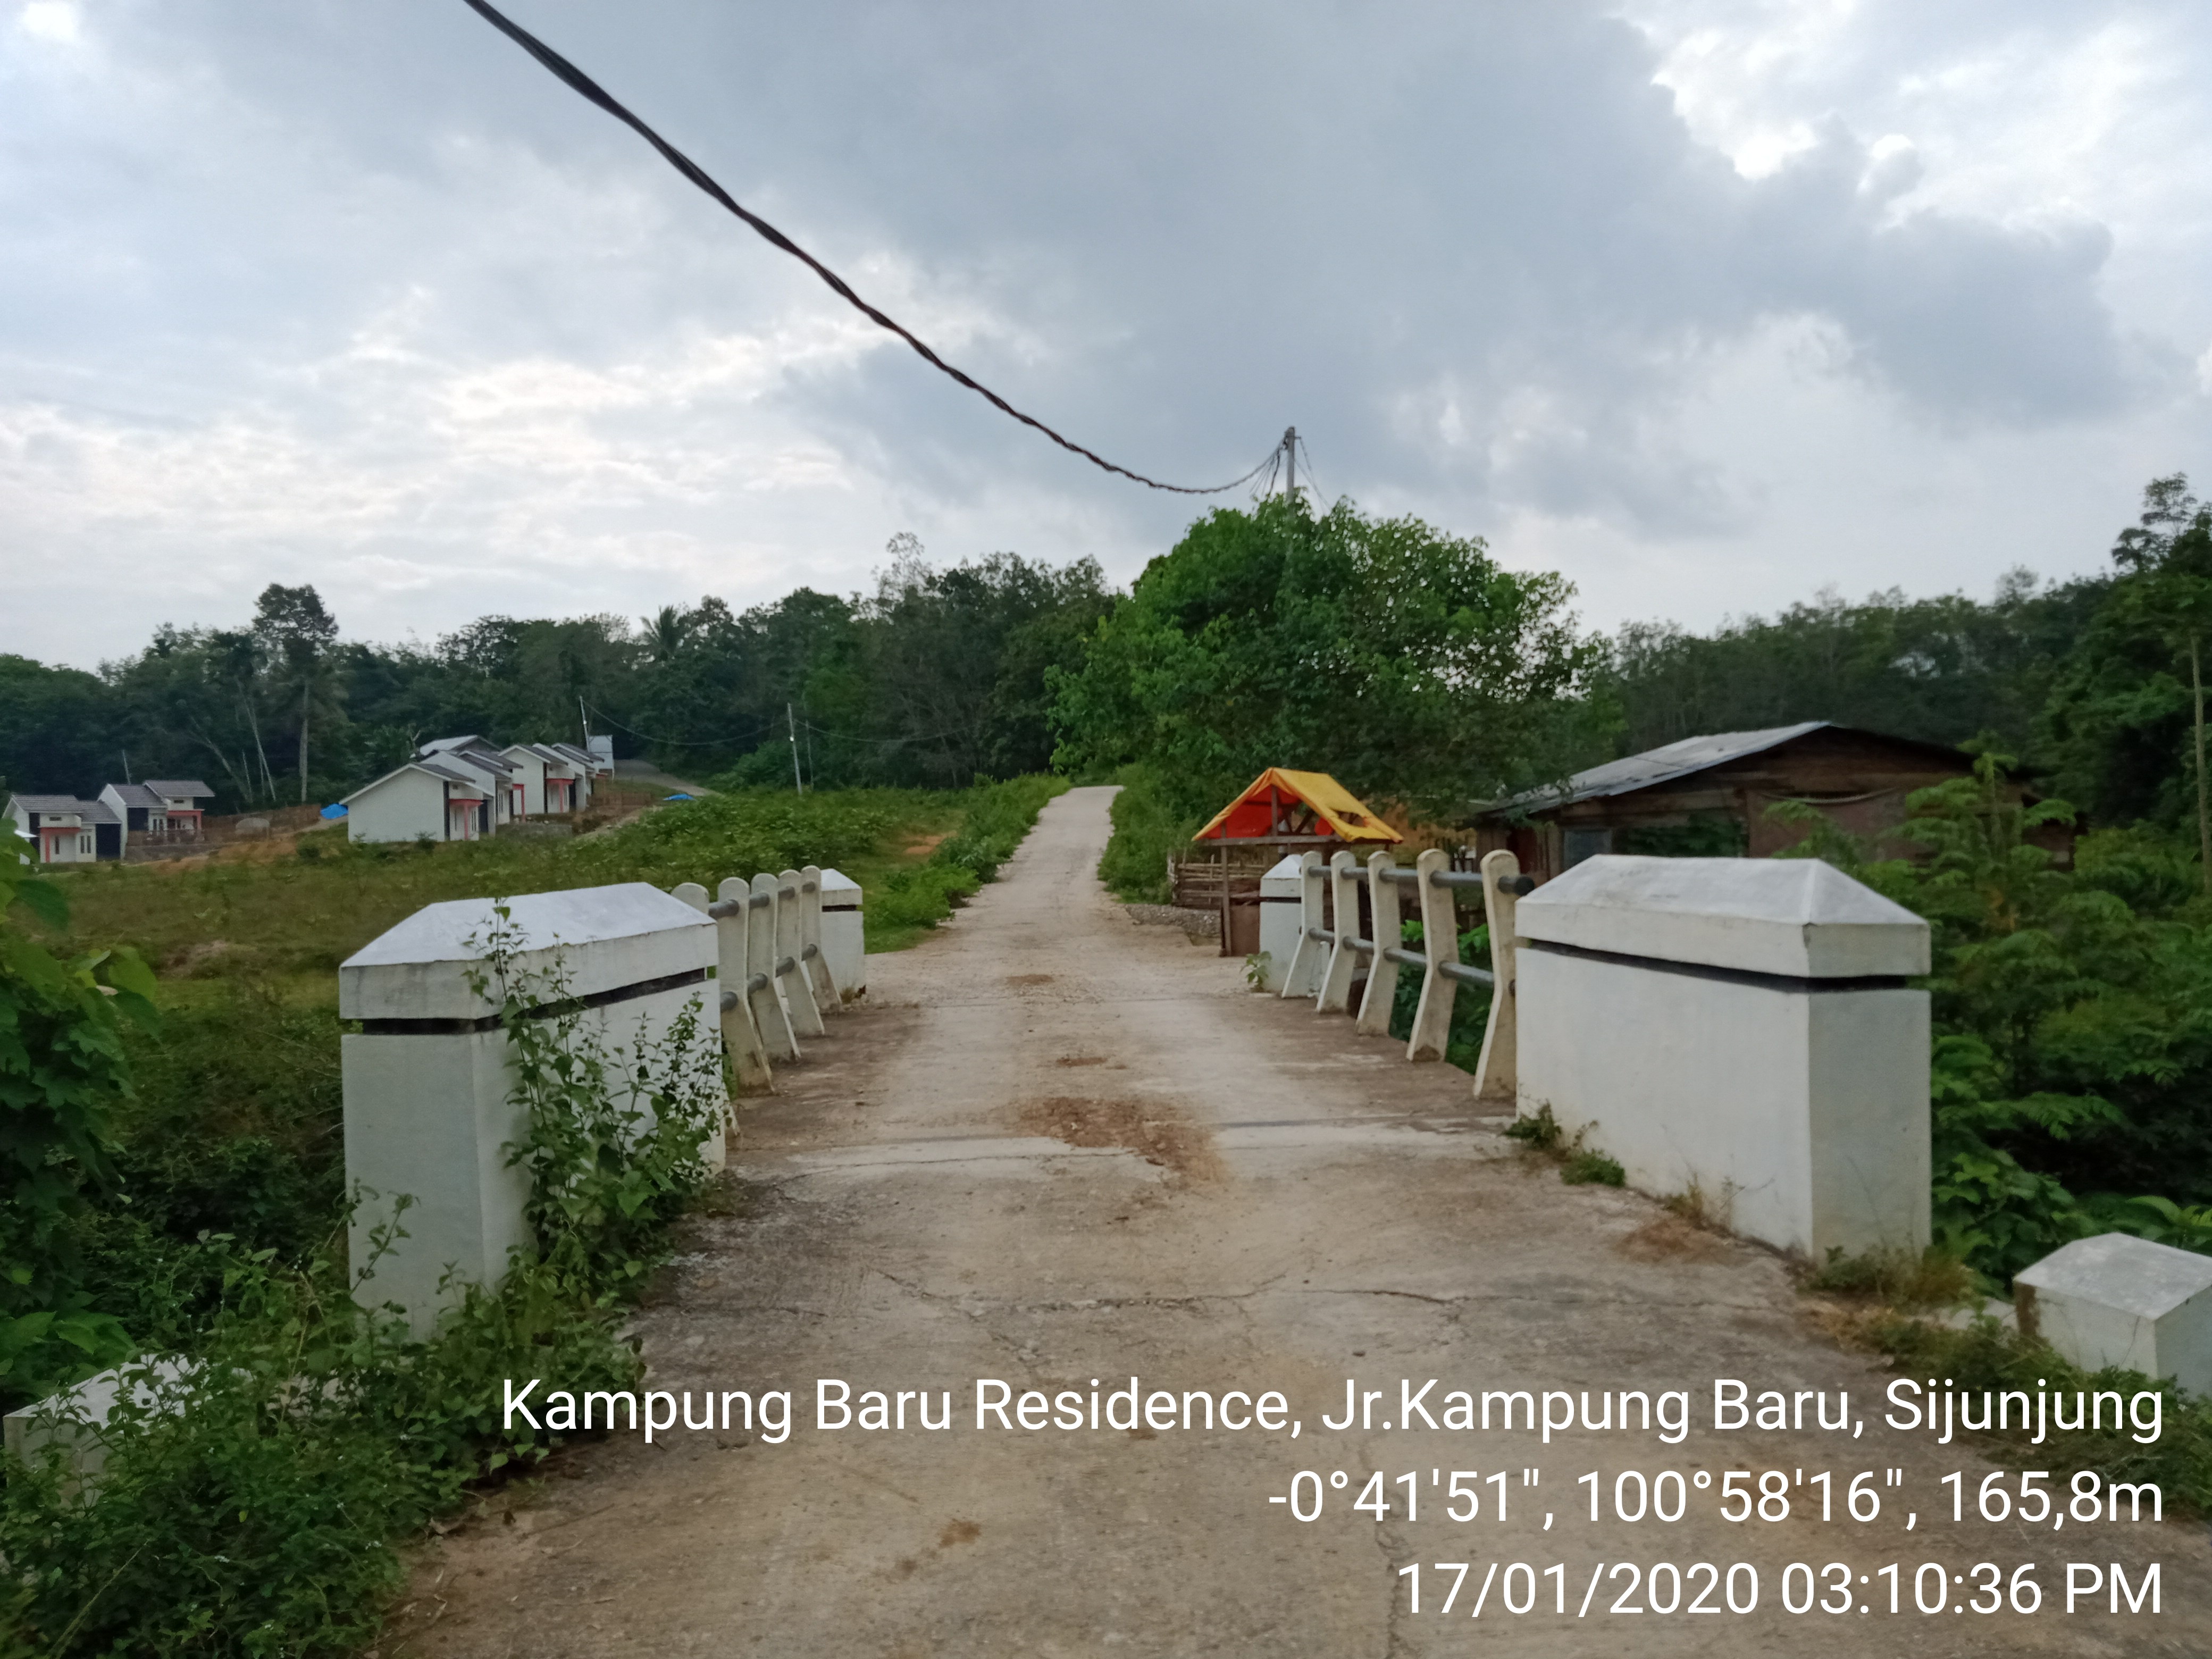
(1364, 1223)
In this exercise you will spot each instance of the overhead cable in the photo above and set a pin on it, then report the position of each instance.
(586, 86)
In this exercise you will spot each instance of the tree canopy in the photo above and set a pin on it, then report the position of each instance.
(1403, 658)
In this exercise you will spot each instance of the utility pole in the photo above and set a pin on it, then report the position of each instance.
(1291, 453)
(792, 722)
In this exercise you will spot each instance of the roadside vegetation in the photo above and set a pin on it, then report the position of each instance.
(178, 1193)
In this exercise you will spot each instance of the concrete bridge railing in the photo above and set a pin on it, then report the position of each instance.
(430, 1109)
(1323, 950)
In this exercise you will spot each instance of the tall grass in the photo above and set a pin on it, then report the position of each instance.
(262, 1517)
(1147, 832)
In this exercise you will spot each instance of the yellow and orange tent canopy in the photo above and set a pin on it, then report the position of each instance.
(1293, 806)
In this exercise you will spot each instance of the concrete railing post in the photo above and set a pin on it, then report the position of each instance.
(693, 893)
(1743, 1028)
(760, 995)
(1496, 1071)
(1281, 909)
(1344, 877)
(740, 1033)
(790, 952)
(819, 978)
(1440, 944)
(1382, 972)
(1302, 977)
(431, 1111)
(844, 934)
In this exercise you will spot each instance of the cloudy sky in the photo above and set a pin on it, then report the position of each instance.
(1706, 303)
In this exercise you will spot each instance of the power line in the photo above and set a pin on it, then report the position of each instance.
(678, 743)
(581, 83)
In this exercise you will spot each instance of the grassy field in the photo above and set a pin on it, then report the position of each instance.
(287, 915)
(234, 1126)
(267, 1518)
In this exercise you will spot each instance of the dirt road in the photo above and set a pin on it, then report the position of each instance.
(1054, 1147)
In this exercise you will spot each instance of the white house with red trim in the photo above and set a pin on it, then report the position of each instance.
(550, 778)
(67, 830)
(463, 789)
(160, 809)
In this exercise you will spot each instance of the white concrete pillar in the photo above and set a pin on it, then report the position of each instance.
(2119, 1300)
(1381, 991)
(1335, 994)
(428, 1079)
(1309, 956)
(790, 969)
(1440, 944)
(819, 978)
(1739, 1026)
(770, 1018)
(1496, 1072)
(844, 934)
(1281, 894)
(740, 1033)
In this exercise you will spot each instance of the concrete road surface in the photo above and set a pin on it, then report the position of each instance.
(1056, 1151)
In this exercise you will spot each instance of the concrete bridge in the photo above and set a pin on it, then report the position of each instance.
(1060, 1151)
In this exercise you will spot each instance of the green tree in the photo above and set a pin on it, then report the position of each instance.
(299, 633)
(2125, 726)
(63, 1070)
(1403, 659)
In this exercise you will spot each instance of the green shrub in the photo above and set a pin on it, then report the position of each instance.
(1989, 1356)
(63, 1070)
(1588, 1169)
(1147, 832)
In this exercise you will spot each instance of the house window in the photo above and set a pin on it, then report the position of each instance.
(84, 844)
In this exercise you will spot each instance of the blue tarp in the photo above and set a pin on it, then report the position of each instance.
(681, 797)
(334, 812)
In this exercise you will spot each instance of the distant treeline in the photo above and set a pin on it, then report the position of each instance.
(1403, 657)
(936, 678)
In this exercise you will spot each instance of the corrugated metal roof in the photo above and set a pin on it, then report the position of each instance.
(1661, 765)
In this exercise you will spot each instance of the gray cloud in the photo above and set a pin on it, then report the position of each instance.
(361, 293)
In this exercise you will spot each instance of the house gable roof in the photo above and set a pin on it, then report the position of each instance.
(1684, 758)
(135, 794)
(429, 768)
(54, 804)
(177, 786)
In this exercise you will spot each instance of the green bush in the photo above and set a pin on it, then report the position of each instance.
(2073, 1024)
(1147, 832)
(1588, 1169)
(251, 1506)
(63, 1070)
(1989, 1356)
(1470, 1014)
(993, 819)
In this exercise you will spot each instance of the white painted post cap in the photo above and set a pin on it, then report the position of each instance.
(421, 969)
(1285, 880)
(2122, 1272)
(1795, 917)
(839, 888)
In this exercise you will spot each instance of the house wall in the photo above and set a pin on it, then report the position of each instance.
(1858, 781)
(530, 772)
(403, 807)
